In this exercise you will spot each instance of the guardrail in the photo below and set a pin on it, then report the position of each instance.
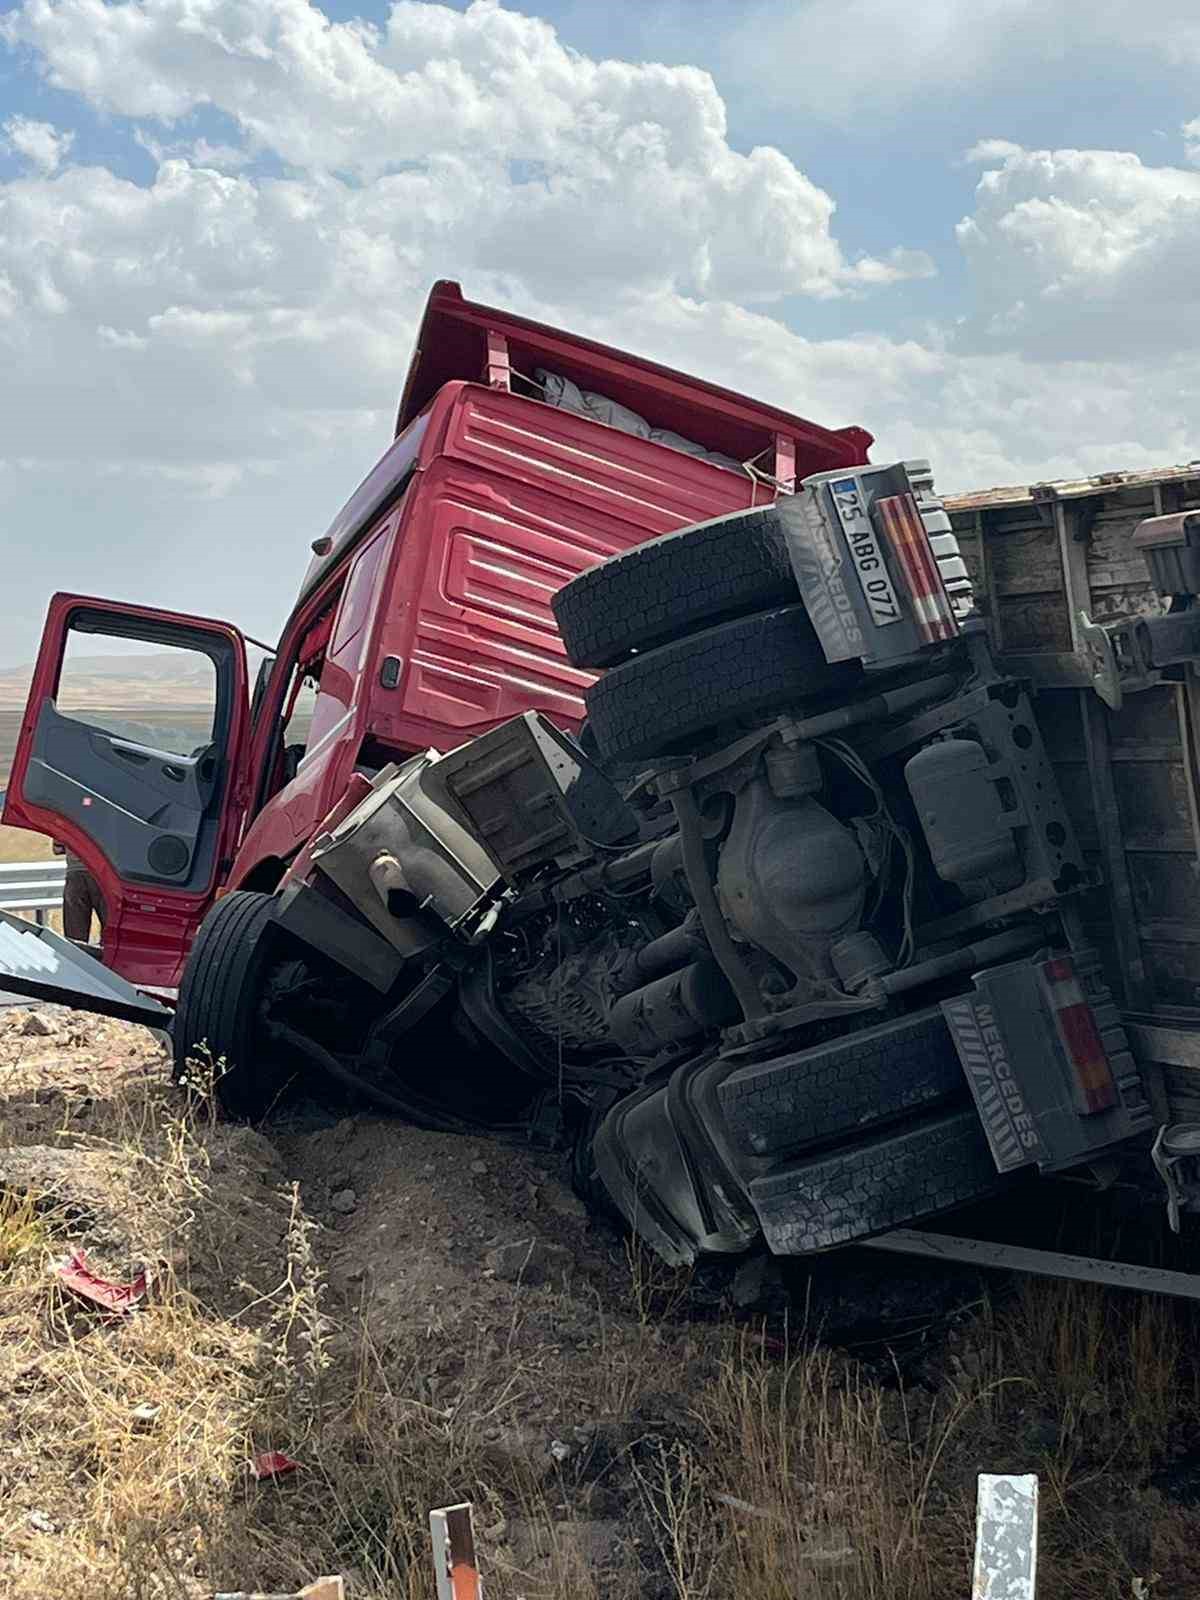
(35, 886)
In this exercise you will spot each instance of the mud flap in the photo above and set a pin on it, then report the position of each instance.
(664, 1172)
(1048, 1062)
(39, 964)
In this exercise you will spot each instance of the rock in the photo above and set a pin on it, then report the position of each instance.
(344, 1201)
(479, 1168)
(758, 1286)
(40, 1521)
(39, 1026)
(529, 1261)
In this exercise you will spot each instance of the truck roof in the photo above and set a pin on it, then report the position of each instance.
(452, 343)
(1070, 488)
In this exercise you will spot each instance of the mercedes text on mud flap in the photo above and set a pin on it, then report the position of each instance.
(785, 941)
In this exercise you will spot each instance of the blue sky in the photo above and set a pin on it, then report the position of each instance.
(971, 227)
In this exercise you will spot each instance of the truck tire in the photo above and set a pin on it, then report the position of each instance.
(852, 1192)
(660, 700)
(674, 584)
(217, 1020)
(840, 1089)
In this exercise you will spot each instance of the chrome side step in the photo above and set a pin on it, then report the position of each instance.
(1040, 1263)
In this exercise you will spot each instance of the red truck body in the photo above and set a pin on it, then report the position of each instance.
(424, 616)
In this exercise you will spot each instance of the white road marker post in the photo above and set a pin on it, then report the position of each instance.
(1006, 1526)
(454, 1562)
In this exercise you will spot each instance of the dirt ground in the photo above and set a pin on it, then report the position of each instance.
(418, 1319)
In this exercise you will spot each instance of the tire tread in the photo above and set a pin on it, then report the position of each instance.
(854, 1191)
(664, 587)
(737, 669)
(841, 1088)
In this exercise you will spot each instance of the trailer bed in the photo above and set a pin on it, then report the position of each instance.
(1038, 556)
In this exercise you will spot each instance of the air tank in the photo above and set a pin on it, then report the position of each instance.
(958, 803)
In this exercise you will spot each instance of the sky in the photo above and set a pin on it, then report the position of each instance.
(971, 226)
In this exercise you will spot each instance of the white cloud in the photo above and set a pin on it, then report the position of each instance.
(640, 150)
(850, 61)
(1079, 252)
(471, 144)
(199, 152)
(42, 145)
(983, 418)
(219, 350)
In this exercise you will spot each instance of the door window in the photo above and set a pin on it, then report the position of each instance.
(160, 696)
(131, 747)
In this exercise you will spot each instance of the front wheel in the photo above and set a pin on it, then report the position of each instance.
(219, 1021)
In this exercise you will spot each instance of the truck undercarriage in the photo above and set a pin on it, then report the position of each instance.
(785, 947)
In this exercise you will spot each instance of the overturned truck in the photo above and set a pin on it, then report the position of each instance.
(664, 798)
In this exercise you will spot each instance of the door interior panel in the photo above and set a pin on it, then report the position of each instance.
(152, 813)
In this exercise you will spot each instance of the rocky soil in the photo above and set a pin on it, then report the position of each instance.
(418, 1319)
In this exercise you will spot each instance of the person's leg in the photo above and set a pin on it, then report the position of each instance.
(77, 907)
(98, 906)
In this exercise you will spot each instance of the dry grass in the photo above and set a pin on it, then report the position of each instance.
(18, 844)
(730, 1473)
(842, 1505)
(238, 1353)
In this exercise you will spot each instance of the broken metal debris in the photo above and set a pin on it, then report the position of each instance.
(271, 1464)
(116, 1298)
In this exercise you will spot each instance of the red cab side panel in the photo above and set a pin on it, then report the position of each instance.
(518, 497)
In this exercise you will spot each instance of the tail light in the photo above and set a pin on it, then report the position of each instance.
(1079, 1036)
(902, 525)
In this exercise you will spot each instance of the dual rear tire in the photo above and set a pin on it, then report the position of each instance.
(698, 629)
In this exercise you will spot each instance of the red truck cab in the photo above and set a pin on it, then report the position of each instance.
(522, 456)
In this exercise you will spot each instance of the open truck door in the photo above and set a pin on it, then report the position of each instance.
(129, 755)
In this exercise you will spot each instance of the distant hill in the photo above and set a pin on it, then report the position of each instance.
(150, 664)
(166, 678)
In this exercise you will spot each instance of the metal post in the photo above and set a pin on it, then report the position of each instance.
(454, 1564)
(785, 463)
(499, 371)
(1006, 1537)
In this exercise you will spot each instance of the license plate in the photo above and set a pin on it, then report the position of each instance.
(865, 553)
